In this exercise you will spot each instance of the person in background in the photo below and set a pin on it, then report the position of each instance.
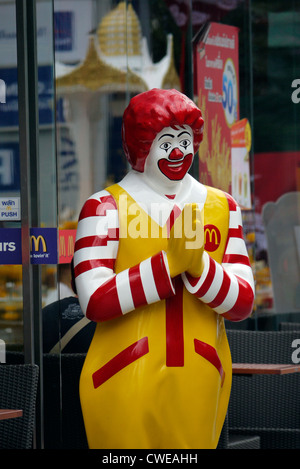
(65, 328)
(64, 284)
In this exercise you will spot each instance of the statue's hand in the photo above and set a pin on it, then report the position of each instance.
(186, 243)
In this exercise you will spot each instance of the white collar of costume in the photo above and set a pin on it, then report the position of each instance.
(159, 206)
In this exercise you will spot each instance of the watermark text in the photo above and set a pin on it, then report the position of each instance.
(2, 91)
(2, 351)
(140, 220)
(296, 352)
(295, 96)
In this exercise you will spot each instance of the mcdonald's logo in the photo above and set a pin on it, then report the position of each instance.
(35, 242)
(43, 245)
(69, 250)
(62, 246)
(66, 245)
(212, 238)
(71, 244)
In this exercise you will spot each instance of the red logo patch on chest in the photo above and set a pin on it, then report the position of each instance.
(212, 238)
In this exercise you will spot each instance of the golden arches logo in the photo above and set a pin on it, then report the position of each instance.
(35, 242)
(70, 246)
(66, 250)
(62, 246)
(212, 237)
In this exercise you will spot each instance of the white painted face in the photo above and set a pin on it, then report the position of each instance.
(171, 155)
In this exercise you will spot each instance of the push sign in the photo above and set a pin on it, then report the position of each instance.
(10, 209)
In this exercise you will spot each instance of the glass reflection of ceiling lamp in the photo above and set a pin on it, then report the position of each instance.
(118, 59)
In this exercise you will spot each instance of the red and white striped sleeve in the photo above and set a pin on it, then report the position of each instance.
(102, 294)
(228, 288)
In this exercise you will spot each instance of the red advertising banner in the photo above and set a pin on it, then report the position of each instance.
(217, 73)
(66, 245)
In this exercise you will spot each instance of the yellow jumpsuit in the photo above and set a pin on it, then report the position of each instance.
(160, 376)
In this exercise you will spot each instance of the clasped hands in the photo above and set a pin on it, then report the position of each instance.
(186, 243)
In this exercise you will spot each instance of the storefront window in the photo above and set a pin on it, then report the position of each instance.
(120, 49)
(11, 304)
(275, 32)
(43, 205)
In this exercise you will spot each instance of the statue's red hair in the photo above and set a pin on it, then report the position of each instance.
(148, 113)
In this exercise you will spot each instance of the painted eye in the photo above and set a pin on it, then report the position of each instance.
(185, 143)
(165, 146)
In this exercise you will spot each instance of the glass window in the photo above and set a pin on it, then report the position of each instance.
(11, 300)
(275, 32)
(103, 57)
(116, 49)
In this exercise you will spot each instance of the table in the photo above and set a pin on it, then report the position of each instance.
(264, 368)
(10, 413)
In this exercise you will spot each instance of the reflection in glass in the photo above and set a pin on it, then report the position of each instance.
(92, 97)
(11, 295)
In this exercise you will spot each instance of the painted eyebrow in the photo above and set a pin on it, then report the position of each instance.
(184, 132)
(166, 135)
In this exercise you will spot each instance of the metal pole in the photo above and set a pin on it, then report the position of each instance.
(28, 143)
(24, 143)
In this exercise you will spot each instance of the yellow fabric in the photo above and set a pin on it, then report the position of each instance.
(148, 404)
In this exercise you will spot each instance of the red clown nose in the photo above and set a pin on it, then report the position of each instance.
(176, 154)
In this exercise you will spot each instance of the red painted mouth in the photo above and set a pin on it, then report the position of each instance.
(175, 170)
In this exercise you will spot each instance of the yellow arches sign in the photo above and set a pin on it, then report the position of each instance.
(35, 243)
(43, 245)
(51, 246)
(47, 246)
(66, 245)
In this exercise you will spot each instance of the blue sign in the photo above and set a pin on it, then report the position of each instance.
(9, 115)
(9, 167)
(63, 31)
(43, 246)
(46, 94)
(10, 246)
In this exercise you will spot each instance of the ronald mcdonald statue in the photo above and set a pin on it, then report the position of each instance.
(160, 261)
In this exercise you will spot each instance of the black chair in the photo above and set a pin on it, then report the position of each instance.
(229, 440)
(289, 326)
(265, 405)
(64, 426)
(18, 390)
(63, 421)
(14, 358)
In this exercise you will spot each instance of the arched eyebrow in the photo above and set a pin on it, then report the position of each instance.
(166, 135)
(184, 132)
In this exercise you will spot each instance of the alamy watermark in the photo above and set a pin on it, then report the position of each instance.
(2, 92)
(136, 225)
(296, 352)
(2, 351)
(295, 96)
